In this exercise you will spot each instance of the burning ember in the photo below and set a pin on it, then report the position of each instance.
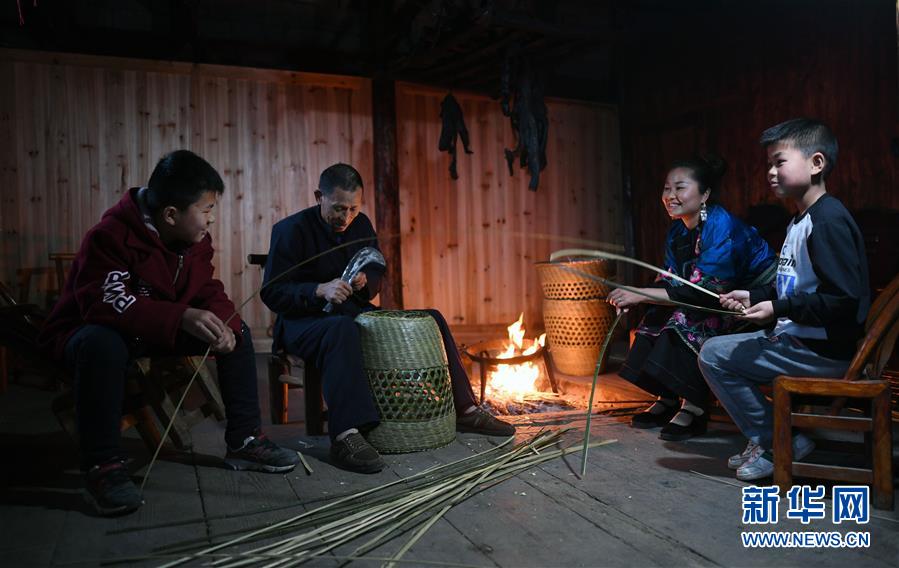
(511, 381)
(515, 382)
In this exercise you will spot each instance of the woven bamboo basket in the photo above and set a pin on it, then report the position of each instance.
(575, 330)
(559, 282)
(406, 366)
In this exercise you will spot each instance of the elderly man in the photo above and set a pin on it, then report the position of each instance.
(331, 340)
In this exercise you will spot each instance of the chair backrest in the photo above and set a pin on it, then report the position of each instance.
(881, 332)
(881, 301)
(257, 259)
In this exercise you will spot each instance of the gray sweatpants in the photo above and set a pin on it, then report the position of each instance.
(735, 366)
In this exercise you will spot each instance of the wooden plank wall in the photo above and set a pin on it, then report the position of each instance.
(77, 131)
(469, 246)
(707, 79)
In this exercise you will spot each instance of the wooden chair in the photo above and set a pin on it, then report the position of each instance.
(62, 262)
(287, 372)
(151, 390)
(18, 333)
(861, 381)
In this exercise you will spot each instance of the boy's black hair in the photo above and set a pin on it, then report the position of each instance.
(708, 169)
(343, 176)
(180, 179)
(808, 136)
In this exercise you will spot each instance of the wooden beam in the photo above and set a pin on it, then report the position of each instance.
(387, 194)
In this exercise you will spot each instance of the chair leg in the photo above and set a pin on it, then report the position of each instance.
(783, 438)
(64, 409)
(882, 461)
(154, 390)
(146, 428)
(214, 404)
(312, 391)
(4, 369)
(277, 392)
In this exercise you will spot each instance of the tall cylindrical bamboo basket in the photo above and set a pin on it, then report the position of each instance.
(406, 366)
(575, 312)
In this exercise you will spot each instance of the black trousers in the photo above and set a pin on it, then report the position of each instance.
(334, 346)
(100, 358)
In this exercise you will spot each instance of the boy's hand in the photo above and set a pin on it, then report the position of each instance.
(359, 281)
(226, 343)
(761, 313)
(736, 301)
(335, 291)
(204, 325)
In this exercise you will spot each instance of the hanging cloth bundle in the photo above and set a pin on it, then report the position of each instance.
(453, 126)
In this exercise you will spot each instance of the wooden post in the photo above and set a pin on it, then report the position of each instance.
(387, 196)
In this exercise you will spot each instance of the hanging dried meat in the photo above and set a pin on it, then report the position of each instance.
(453, 127)
(522, 101)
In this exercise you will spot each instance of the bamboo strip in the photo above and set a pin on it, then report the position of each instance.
(611, 256)
(602, 352)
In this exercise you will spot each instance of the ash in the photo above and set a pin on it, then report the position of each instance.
(544, 402)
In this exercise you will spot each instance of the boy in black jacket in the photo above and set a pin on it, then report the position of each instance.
(818, 305)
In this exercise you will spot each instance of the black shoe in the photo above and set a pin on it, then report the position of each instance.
(647, 419)
(354, 453)
(258, 453)
(676, 433)
(479, 421)
(110, 491)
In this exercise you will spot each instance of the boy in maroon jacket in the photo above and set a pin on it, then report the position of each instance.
(142, 284)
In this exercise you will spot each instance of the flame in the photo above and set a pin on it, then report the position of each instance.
(514, 382)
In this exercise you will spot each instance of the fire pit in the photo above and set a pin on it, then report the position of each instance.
(511, 368)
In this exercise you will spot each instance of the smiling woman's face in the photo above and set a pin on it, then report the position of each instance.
(682, 197)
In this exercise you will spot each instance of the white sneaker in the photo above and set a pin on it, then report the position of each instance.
(736, 460)
(757, 466)
(761, 462)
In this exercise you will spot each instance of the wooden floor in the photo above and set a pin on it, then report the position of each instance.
(643, 502)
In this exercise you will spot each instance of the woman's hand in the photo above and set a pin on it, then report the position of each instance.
(624, 299)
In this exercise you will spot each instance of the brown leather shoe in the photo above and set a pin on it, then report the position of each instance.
(479, 421)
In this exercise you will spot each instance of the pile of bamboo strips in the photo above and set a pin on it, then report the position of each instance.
(389, 510)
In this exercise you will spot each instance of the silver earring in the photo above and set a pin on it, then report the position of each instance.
(703, 213)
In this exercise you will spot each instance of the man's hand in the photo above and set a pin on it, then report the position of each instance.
(336, 291)
(226, 344)
(624, 299)
(205, 326)
(359, 281)
(760, 314)
(736, 301)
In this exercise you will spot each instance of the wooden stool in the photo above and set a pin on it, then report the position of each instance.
(151, 394)
(280, 380)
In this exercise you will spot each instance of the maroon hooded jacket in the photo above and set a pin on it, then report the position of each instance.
(125, 278)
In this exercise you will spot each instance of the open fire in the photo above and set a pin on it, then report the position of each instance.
(512, 376)
(506, 383)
